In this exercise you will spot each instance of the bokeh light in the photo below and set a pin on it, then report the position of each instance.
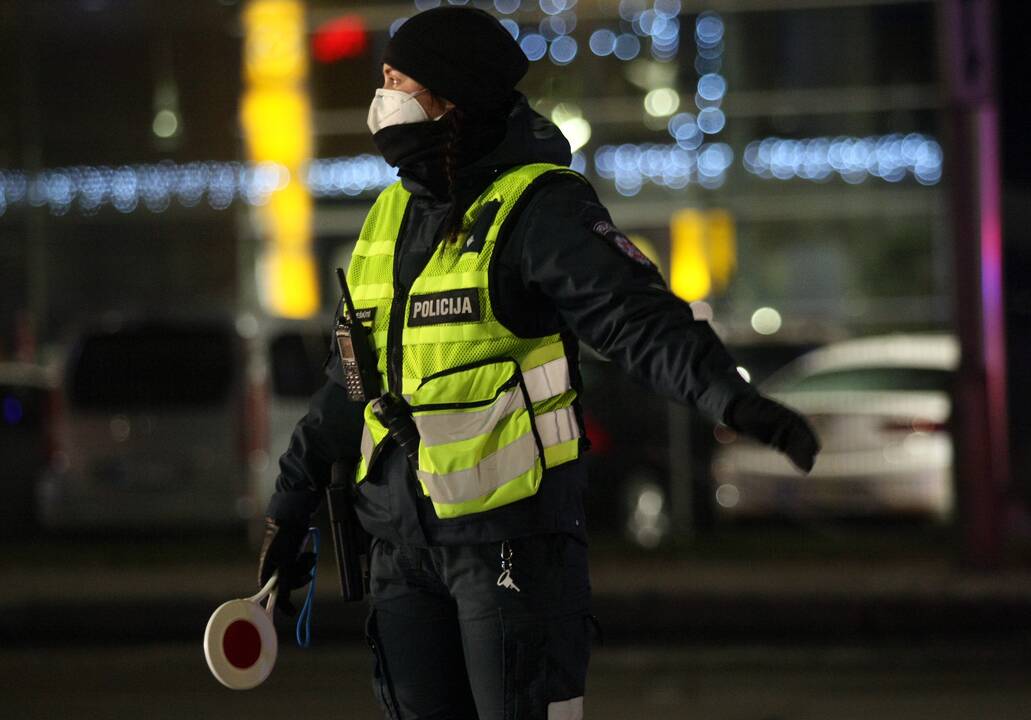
(394, 26)
(766, 321)
(534, 45)
(512, 26)
(711, 120)
(887, 157)
(603, 42)
(627, 47)
(661, 102)
(563, 50)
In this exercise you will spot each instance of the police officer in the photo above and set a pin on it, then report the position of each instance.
(478, 274)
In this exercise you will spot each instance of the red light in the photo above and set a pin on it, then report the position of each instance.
(341, 38)
(601, 441)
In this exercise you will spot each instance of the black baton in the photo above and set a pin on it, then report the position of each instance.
(350, 541)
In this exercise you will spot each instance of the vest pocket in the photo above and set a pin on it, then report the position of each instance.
(479, 445)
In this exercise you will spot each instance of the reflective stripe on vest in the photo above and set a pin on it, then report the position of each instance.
(511, 462)
(493, 410)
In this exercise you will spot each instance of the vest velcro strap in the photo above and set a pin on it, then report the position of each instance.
(547, 380)
(557, 427)
(508, 463)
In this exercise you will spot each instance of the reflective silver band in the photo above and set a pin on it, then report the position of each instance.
(542, 382)
(489, 474)
(509, 462)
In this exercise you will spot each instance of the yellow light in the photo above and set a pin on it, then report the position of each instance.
(288, 218)
(721, 247)
(577, 132)
(274, 45)
(275, 114)
(288, 283)
(689, 268)
(277, 125)
(661, 102)
(564, 112)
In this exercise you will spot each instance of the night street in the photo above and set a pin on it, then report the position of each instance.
(171, 681)
(594, 359)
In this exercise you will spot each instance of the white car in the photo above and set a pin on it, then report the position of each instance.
(881, 406)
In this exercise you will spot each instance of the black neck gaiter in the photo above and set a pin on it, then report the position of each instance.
(413, 143)
(419, 150)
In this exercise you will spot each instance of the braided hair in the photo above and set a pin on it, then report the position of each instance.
(456, 121)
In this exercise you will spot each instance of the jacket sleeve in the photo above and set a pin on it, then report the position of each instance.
(330, 431)
(614, 300)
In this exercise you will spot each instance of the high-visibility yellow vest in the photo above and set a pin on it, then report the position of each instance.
(493, 410)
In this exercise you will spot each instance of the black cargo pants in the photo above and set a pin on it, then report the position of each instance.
(452, 641)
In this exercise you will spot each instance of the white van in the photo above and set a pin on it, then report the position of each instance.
(170, 423)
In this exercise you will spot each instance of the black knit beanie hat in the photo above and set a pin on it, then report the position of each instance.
(461, 54)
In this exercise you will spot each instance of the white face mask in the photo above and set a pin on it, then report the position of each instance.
(394, 107)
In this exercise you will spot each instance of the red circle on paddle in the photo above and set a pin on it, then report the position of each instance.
(241, 644)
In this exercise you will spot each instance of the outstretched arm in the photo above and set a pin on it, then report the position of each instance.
(616, 302)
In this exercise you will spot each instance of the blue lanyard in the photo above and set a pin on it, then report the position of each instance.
(303, 629)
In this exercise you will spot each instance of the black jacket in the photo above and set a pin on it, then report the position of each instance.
(564, 268)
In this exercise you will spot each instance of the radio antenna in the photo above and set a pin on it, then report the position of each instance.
(348, 303)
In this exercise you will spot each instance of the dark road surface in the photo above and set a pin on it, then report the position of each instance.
(172, 682)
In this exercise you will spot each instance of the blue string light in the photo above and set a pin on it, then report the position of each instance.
(156, 187)
(603, 42)
(563, 50)
(887, 157)
(394, 26)
(534, 45)
(631, 166)
(512, 26)
(627, 47)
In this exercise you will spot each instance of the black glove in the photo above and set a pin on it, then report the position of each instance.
(281, 550)
(773, 424)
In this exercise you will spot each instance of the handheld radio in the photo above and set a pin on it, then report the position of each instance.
(361, 378)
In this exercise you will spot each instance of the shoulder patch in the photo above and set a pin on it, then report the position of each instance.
(622, 243)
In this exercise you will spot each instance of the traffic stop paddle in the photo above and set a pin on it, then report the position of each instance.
(240, 641)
